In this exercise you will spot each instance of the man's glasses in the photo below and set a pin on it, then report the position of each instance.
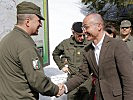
(86, 26)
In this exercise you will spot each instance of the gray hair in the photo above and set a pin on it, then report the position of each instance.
(22, 17)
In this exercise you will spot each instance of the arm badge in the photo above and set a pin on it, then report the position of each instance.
(36, 63)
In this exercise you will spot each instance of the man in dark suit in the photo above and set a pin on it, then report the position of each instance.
(108, 59)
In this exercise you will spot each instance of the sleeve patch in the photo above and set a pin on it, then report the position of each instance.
(36, 63)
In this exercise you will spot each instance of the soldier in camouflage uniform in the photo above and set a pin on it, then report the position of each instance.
(67, 56)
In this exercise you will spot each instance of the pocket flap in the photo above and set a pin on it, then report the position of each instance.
(117, 92)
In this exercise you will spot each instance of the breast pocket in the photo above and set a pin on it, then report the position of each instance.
(117, 92)
(69, 52)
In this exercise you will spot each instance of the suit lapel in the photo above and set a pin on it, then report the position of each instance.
(93, 60)
(104, 49)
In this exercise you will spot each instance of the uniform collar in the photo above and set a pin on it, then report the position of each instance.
(128, 39)
(21, 31)
(24, 33)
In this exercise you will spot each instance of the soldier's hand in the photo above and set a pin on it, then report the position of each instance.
(65, 69)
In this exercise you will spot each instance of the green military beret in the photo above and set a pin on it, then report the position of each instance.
(29, 8)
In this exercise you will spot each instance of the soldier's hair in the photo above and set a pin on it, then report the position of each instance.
(22, 17)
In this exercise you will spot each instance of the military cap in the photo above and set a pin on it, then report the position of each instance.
(77, 27)
(29, 8)
(125, 23)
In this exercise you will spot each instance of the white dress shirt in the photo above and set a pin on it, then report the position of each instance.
(98, 49)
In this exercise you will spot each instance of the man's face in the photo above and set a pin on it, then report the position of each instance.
(79, 37)
(90, 29)
(35, 24)
(125, 31)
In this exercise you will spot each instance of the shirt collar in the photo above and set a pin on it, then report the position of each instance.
(99, 45)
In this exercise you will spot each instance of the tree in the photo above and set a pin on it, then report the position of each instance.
(111, 10)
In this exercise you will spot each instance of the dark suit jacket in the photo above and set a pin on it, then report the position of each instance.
(114, 74)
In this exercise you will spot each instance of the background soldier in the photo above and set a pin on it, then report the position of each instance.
(125, 34)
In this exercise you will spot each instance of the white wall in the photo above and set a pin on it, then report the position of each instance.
(62, 14)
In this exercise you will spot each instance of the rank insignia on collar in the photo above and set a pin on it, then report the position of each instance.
(36, 63)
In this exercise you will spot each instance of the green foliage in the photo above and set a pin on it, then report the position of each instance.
(119, 2)
(122, 5)
(124, 10)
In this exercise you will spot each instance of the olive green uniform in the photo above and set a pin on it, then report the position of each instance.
(71, 50)
(129, 42)
(21, 69)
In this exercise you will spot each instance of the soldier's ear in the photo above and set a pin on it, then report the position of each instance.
(27, 22)
(72, 30)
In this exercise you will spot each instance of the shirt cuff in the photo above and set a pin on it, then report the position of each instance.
(66, 90)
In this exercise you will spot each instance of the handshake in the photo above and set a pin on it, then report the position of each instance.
(62, 89)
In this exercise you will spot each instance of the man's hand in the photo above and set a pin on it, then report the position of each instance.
(65, 69)
(61, 90)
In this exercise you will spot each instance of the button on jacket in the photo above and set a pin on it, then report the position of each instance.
(21, 69)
